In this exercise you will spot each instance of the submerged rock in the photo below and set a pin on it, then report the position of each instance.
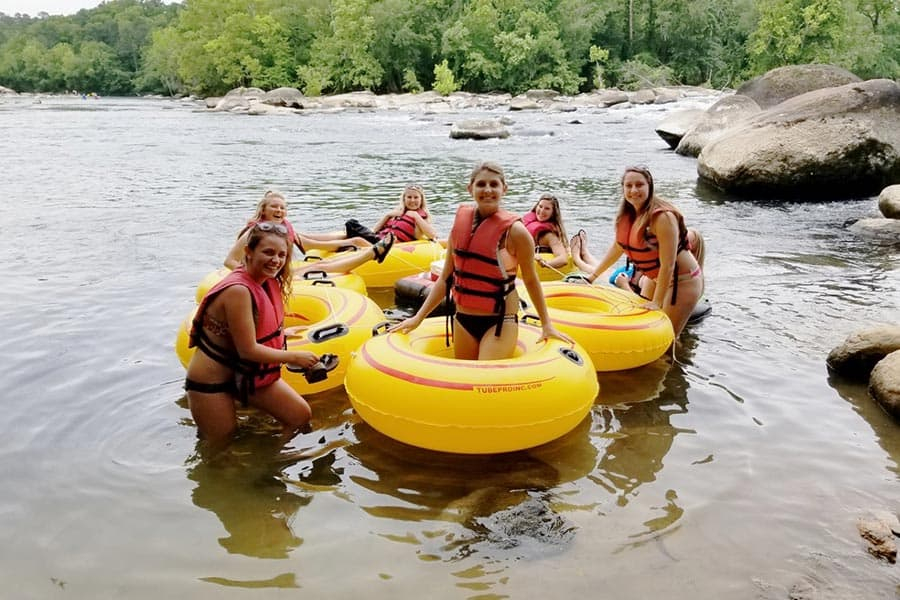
(530, 521)
(880, 530)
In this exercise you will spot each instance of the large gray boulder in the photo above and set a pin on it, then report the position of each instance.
(478, 129)
(5, 91)
(524, 102)
(834, 142)
(672, 128)
(884, 383)
(782, 83)
(860, 352)
(352, 100)
(889, 202)
(239, 99)
(284, 96)
(725, 113)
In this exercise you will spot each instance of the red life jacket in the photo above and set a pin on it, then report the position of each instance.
(480, 281)
(268, 310)
(403, 227)
(536, 228)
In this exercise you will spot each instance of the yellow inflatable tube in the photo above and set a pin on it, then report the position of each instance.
(410, 388)
(350, 281)
(550, 273)
(610, 323)
(405, 258)
(335, 321)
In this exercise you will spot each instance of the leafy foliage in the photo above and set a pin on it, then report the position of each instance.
(323, 46)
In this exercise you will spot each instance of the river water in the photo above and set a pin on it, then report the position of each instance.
(739, 471)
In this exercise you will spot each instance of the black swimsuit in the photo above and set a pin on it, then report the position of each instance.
(228, 387)
(478, 325)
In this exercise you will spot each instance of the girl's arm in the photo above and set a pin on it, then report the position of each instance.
(238, 308)
(521, 245)
(383, 221)
(435, 295)
(665, 227)
(236, 254)
(560, 254)
(611, 256)
(424, 228)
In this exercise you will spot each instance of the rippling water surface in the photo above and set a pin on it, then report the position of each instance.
(737, 472)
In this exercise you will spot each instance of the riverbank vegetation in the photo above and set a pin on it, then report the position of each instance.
(207, 47)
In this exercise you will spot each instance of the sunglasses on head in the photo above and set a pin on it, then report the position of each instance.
(267, 227)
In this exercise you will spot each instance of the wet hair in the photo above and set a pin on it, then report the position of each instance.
(653, 204)
(284, 276)
(489, 166)
(555, 217)
(697, 245)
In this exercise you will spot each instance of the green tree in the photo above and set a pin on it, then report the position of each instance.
(159, 70)
(797, 32)
(469, 47)
(252, 51)
(95, 68)
(703, 41)
(407, 39)
(444, 81)
(344, 51)
(534, 57)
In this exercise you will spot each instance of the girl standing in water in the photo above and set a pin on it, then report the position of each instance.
(486, 246)
(238, 331)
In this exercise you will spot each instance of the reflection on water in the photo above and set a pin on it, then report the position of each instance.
(883, 425)
(498, 507)
(243, 488)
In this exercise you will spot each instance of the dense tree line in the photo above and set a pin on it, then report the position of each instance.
(325, 46)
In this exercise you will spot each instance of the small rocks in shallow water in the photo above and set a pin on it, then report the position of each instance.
(879, 530)
(530, 520)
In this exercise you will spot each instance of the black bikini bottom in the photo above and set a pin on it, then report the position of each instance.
(478, 325)
(226, 387)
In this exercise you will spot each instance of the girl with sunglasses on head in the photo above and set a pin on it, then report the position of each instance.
(273, 209)
(544, 223)
(238, 331)
(651, 233)
(487, 244)
(407, 222)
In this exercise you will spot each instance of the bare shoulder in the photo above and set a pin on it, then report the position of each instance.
(665, 218)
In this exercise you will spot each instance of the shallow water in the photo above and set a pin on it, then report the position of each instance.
(737, 472)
